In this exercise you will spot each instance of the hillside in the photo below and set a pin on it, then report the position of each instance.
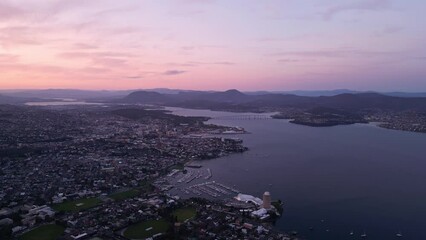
(237, 101)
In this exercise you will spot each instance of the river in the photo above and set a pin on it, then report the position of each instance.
(358, 178)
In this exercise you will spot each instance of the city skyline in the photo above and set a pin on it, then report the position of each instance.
(213, 45)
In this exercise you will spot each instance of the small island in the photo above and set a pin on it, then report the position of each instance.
(320, 117)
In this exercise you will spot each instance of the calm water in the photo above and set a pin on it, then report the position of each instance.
(341, 179)
(60, 103)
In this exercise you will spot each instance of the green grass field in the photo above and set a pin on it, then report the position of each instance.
(45, 232)
(124, 195)
(77, 205)
(184, 214)
(139, 230)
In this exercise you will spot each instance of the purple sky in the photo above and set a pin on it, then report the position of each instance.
(213, 44)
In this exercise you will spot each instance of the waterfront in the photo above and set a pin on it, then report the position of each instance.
(101, 162)
(341, 179)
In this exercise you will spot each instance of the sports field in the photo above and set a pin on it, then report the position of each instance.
(146, 229)
(45, 232)
(77, 205)
(184, 214)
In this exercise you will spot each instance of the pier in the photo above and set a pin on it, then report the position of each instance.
(173, 172)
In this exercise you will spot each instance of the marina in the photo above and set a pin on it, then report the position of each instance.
(195, 173)
(211, 189)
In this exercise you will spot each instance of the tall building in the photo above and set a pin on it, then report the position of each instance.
(267, 200)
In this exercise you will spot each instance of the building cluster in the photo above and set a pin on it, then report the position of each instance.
(51, 157)
(109, 218)
(412, 121)
(25, 216)
(220, 221)
(406, 121)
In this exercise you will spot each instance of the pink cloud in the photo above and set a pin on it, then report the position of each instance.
(84, 46)
(335, 53)
(91, 54)
(18, 35)
(8, 58)
(173, 72)
(8, 11)
(363, 5)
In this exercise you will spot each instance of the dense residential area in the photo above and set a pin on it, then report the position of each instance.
(88, 172)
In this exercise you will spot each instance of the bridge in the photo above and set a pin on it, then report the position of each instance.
(243, 117)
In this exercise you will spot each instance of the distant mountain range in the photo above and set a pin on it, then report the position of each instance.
(318, 93)
(315, 93)
(108, 94)
(15, 100)
(232, 99)
(235, 100)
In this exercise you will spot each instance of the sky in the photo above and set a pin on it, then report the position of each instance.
(213, 44)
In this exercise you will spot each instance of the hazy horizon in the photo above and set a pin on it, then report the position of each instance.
(213, 44)
(205, 90)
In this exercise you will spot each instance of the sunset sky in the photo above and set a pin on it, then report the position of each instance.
(213, 44)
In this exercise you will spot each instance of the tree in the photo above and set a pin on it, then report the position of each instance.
(6, 232)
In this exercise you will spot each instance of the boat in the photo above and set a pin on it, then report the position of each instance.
(399, 234)
(364, 235)
(351, 233)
